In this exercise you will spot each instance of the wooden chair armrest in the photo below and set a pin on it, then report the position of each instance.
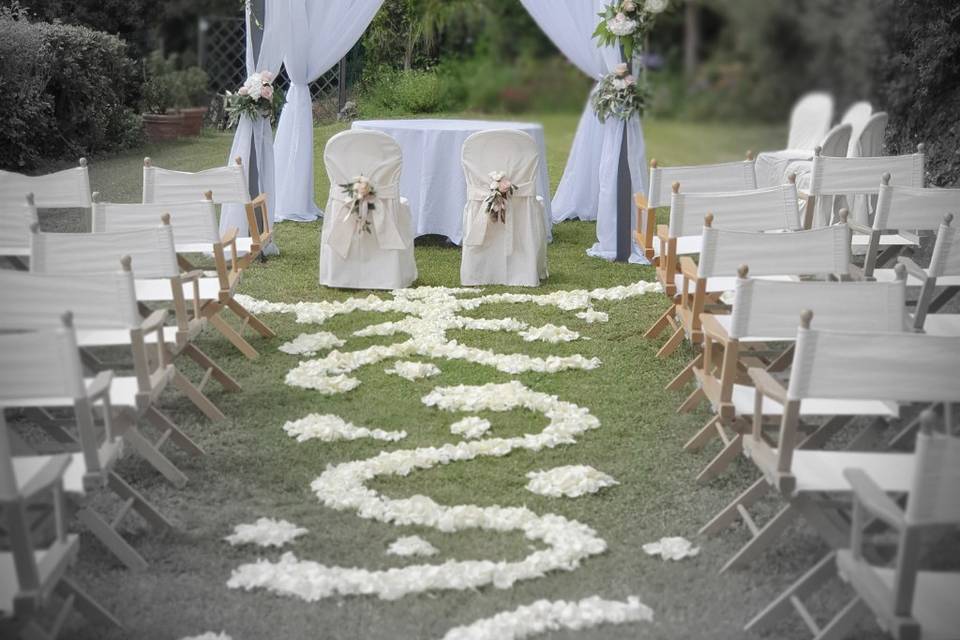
(191, 276)
(712, 327)
(229, 236)
(688, 268)
(859, 228)
(50, 474)
(155, 321)
(100, 386)
(874, 499)
(767, 384)
(913, 268)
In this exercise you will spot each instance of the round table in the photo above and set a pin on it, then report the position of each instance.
(432, 178)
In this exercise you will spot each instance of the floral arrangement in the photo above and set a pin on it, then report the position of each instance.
(257, 98)
(627, 22)
(619, 95)
(360, 191)
(500, 191)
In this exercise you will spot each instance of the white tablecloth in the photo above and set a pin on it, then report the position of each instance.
(432, 178)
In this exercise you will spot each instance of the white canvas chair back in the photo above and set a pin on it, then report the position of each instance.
(754, 210)
(37, 300)
(377, 157)
(16, 217)
(810, 120)
(945, 260)
(823, 251)
(837, 176)
(870, 141)
(152, 250)
(40, 364)
(934, 498)
(704, 178)
(193, 222)
(228, 184)
(857, 115)
(67, 189)
(914, 208)
(836, 141)
(857, 365)
(770, 308)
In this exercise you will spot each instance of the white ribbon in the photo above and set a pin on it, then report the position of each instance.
(345, 229)
(477, 232)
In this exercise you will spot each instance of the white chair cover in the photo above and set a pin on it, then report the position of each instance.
(870, 141)
(705, 178)
(837, 140)
(934, 498)
(810, 120)
(67, 189)
(513, 252)
(857, 115)
(350, 257)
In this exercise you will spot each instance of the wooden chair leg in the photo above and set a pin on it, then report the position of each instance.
(805, 586)
(685, 375)
(111, 539)
(140, 504)
(146, 450)
(170, 430)
(762, 538)
(204, 361)
(705, 435)
(692, 401)
(202, 402)
(230, 334)
(672, 344)
(250, 319)
(731, 449)
(89, 608)
(729, 514)
(662, 323)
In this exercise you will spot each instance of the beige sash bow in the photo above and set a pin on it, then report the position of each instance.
(345, 224)
(477, 231)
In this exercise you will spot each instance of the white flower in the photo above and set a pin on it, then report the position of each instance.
(544, 615)
(590, 316)
(253, 85)
(676, 548)
(620, 25)
(330, 428)
(570, 481)
(411, 546)
(470, 427)
(414, 370)
(628, 6)
(496, 176)
(265, 532)
(309, 344)
(209, 635)
(549, 333)
(656, 6)
(619, 84)
(621, 69)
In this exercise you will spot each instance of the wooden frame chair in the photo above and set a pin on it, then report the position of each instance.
(765, 312)
(228, 186)
(818, 252)
(706, 178)
(67, 189)
(944, 269)
(196, 229)
(832, 177)
(15, 221)
(837, 374)
(34, 571)
(42, 369)
(907, 601)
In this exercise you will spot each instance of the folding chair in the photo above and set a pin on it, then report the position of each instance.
(944, 270)
(907, 601)
(870, 141)
(821, 252)
(228, 186)
(704, 178)
(837, 140)
(67, 189)
(838, 374)
(42, 369)
(810, 120)
(832, 177)
(904, 211)
(15, 220)
(764, 312)
(34, 571)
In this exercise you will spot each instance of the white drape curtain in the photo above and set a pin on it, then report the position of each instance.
(321, 33)
(276, 30)
(588, 189)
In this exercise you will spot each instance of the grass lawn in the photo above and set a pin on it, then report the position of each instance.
(254, 469)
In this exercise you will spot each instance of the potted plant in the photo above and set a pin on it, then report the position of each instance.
(191, 92)
(159, 122)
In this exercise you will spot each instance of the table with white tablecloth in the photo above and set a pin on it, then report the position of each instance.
(432, 178)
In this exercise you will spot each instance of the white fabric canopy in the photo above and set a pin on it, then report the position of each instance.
(588, 189)
(276, 27)
(321, 33)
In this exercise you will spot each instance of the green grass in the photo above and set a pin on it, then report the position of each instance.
(253, 469)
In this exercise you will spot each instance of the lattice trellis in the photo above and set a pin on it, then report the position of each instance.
(221, 54)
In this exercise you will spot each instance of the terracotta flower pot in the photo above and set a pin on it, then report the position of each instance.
(192, 120)
(161, 127)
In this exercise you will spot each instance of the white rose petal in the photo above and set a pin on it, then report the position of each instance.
(265, 532)
(550, 333)
(676, 548)
(411, 546)
(330, 428)
(414, 370)
(309, 344)
(570, 481)
(470, 427)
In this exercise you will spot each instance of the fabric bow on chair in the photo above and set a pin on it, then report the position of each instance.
(477, 231)
(383, 219)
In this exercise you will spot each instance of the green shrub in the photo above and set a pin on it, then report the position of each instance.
(69, 86)
(387, 91)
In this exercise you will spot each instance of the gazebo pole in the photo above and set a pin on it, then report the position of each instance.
(624, 195)
(258, 7)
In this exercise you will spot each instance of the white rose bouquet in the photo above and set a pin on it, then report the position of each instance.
(500, 191)
(625, 23)
(619, 95)
(360, 192)
(256, 98)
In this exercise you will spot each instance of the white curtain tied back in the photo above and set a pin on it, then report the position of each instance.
(382, 217)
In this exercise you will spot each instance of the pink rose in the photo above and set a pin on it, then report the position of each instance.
(629, 6)
(243, 91)
(621, 69)
(630, 80)
(504, 185)
(266, 92)
(266, 76)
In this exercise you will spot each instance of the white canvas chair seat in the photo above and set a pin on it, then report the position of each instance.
(351, 257)
(244, 246)
(889, 275)
(120, 337)
(942, 324)
(154, 290)
(899, 239)
(512, 252)
(817, 470)
(62, 552)
(124, 392)
(28, 468)
(743, 397)
(686, 245)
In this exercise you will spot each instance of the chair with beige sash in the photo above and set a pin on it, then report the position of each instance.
(509, 247)
(764, 317)
(41, 369)
(835, 374)
(16, 216)
(229, 188)
(36, 595)
(367, 241)
(705, 178)
(66, 189)
(910, 596)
